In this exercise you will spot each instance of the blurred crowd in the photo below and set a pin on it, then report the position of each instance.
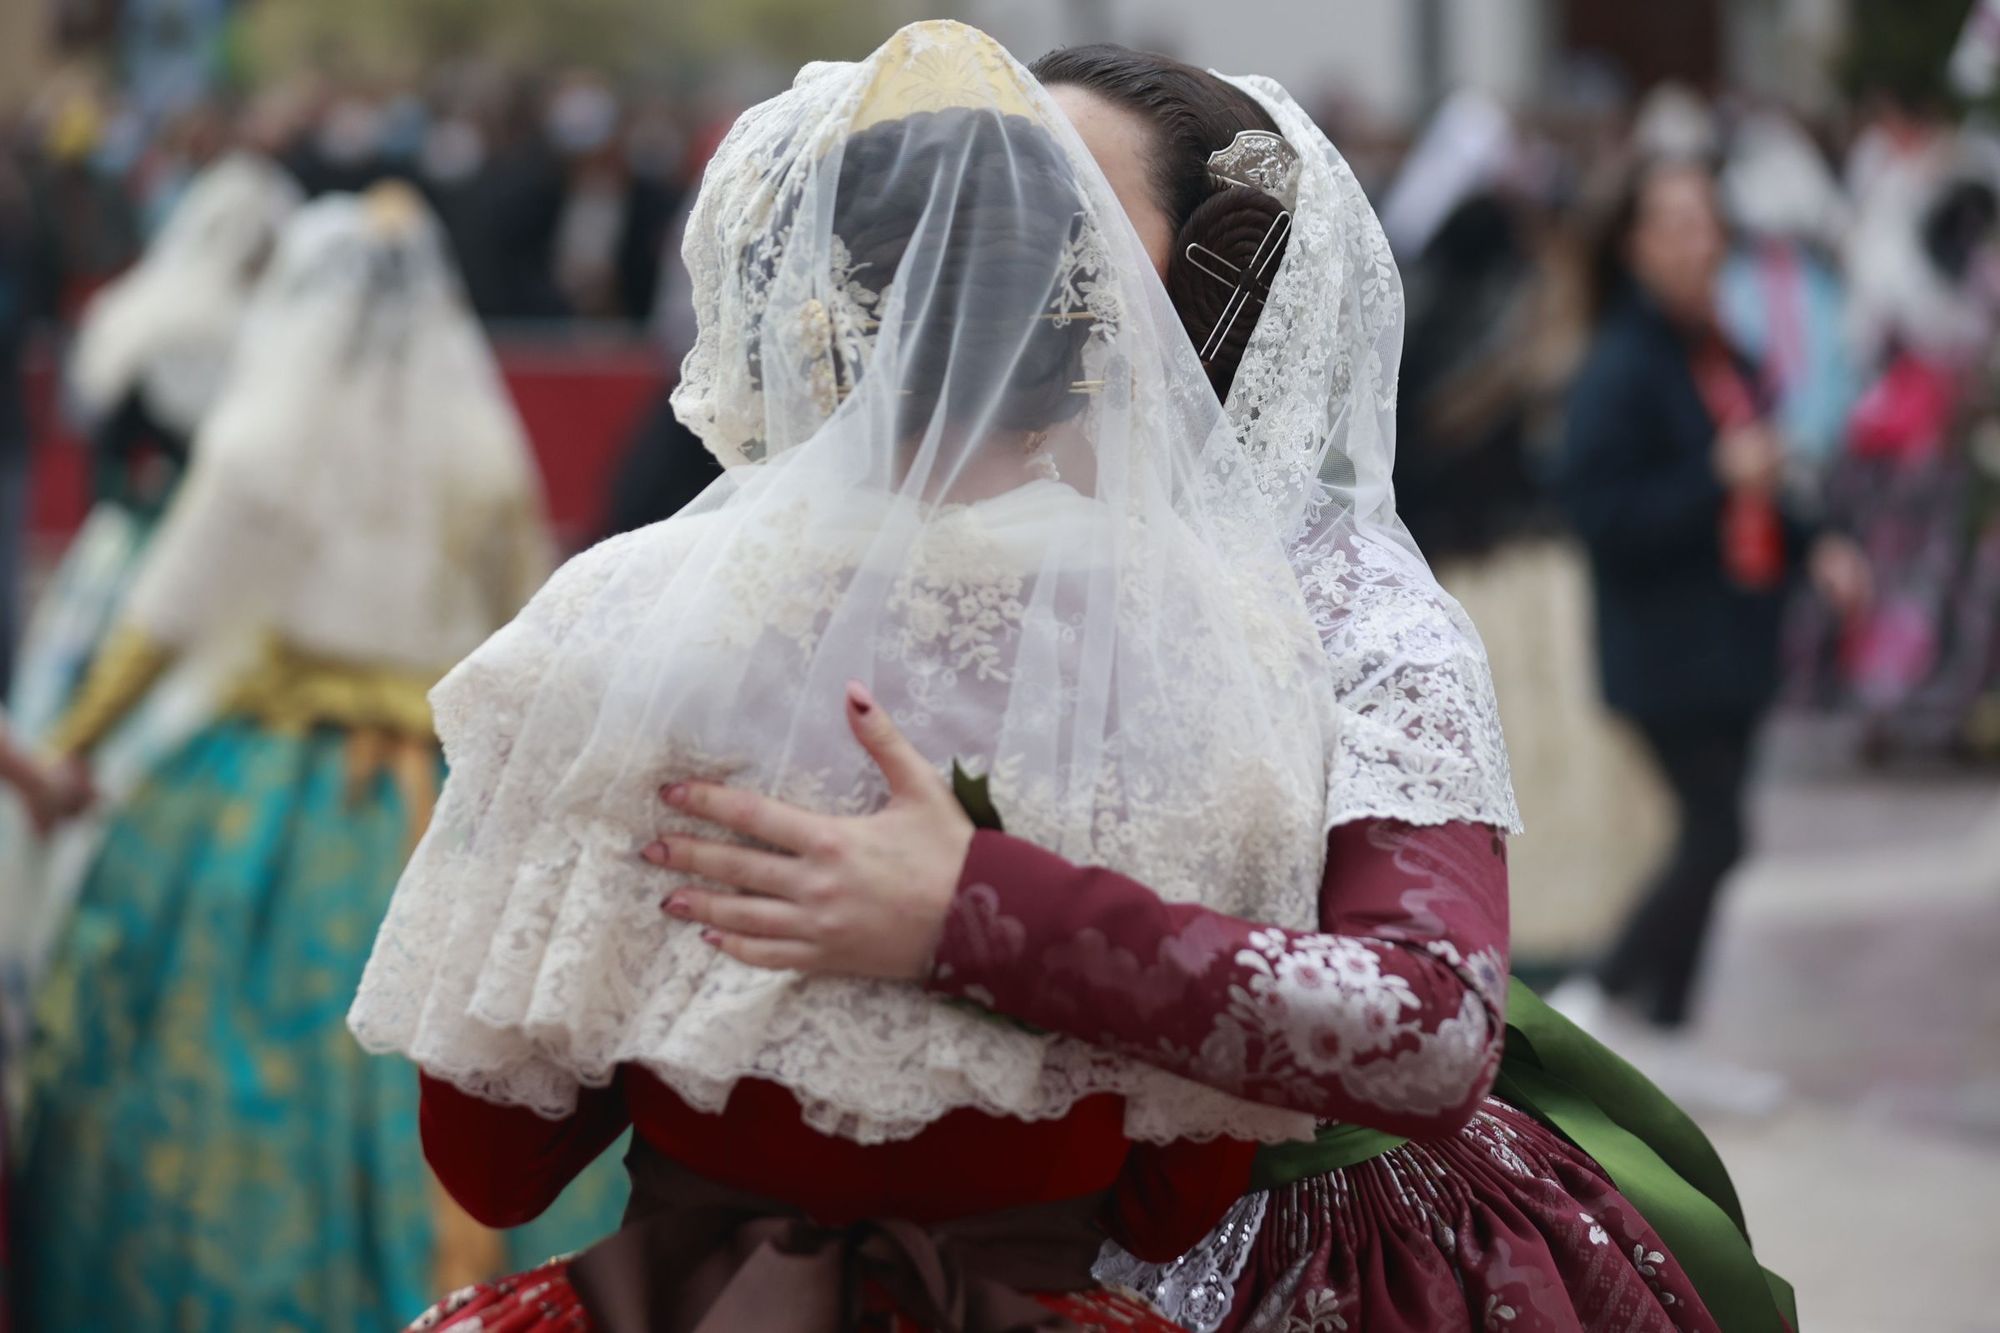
(1859, 276)
(1855, 277)
(557, 191)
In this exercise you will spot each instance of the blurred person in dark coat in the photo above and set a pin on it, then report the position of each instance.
(617, 203)
(1670, 471)
(503, 215)
(82, 225)
(665, 465)
(1494, 332)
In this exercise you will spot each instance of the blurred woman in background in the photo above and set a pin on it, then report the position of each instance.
(205, 1145)
(148, 362)
(1671, 471)
(1495, 330)
(1919, 481)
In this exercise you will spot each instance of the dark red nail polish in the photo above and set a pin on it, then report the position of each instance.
(677, 906)
(857, 694)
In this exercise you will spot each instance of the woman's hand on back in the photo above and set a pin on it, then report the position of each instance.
(862, 896)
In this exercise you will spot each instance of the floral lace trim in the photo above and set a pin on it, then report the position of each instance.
(524, 953)
(1196, 1290)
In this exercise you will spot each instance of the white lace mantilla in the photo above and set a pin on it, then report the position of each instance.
(1314, 401)
(983, 472)
(525, 954)
(1419, 736)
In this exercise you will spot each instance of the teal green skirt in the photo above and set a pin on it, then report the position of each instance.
(207, 1148)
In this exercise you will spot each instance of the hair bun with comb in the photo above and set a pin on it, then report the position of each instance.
(1230, 225)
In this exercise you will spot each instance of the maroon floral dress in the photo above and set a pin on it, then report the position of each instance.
(1389, 1017)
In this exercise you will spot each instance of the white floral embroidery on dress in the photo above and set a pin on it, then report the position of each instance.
(1318, 1313)
(1649, 1263)
(1318, 1007)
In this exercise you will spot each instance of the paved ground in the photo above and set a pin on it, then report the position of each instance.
(1860, 955)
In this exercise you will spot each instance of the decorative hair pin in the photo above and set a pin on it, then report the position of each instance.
(1249, 283)
(1259, 160)
(1255, 160)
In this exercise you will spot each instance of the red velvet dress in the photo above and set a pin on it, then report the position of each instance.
(1389, 1016)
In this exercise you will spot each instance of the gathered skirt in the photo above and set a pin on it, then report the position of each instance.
(1503, 1227)
(206, 1145)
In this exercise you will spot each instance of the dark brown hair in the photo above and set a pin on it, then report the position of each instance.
(979, 347)
(993, 269)
(1193, 113)
(1608, 279)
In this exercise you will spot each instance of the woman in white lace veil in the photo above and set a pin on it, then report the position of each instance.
(1381, 1017)
(360, 511)
(978, 481)
(147, 363)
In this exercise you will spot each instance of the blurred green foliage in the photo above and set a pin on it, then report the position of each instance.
(395, 40)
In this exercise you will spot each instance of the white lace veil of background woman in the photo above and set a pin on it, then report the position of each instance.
(1418, 734)
(975, 463)
(168, 325)
(361, 457)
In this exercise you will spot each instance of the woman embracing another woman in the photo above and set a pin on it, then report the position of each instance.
(890, 1069)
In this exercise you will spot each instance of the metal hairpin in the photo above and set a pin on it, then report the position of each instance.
(1255, 160)
(1257, 271)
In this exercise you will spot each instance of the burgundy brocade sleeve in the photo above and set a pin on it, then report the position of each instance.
(1389, 1017)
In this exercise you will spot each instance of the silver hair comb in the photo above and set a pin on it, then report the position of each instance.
(1259, 160)
(1255, 160)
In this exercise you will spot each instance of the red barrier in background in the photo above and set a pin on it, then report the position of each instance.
(580, 398)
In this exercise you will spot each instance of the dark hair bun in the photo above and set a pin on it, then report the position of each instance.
(993, 205)
(1231, 223)
(994, 200)
(1192, 114)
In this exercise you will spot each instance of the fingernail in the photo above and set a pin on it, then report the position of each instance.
(656, 852)
(711, 937)
(678, 906)
(858, 695)
(674, 794)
